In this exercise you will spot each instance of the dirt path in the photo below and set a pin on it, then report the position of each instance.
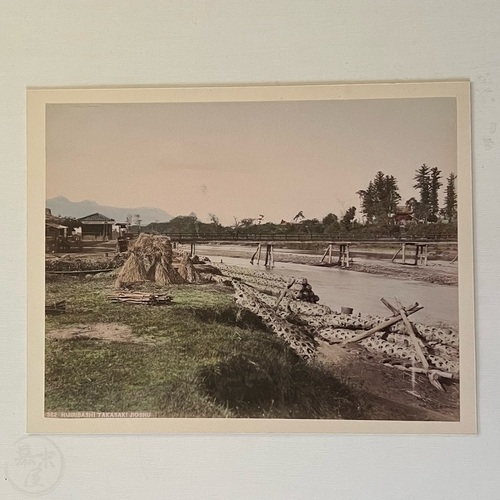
(108, 332)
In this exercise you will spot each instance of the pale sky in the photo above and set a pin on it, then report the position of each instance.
(244, 159)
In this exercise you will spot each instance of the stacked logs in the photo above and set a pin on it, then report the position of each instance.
(299, 341)
(149, 299)
(411, 347)
(406, 346)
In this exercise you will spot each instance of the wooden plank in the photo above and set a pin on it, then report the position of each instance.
(324, 255)
(283, 293)
(389, 306)
(255, 254)
(396, 254)
(416, 369)
(411, 333)
(379, 327)
(88, 271)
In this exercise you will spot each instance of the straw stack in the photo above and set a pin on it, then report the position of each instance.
(150, 259)
(187, 270)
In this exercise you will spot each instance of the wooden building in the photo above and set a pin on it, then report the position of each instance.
(54, 235)
(97, 227)
(403, 215)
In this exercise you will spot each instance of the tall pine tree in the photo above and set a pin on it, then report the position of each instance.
(423, 185)
(450, 202)
(435, 185)
(380, 198)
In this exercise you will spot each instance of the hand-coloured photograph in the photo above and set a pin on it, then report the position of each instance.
(251, 259)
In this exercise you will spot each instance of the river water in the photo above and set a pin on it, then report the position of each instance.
(361, 291)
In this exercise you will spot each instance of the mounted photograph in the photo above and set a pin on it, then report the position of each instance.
(291, 258)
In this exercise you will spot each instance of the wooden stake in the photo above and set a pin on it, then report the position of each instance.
(417, 369)
(377, 328)
(330, 253)
(324, 255)
(396, 254)
(389, 306)
(411, 333)
(284, 292)
(255, 254)
(268, 255)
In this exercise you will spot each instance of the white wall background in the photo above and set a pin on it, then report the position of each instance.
(125, 42)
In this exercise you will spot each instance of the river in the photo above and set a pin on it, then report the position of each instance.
(361, 291)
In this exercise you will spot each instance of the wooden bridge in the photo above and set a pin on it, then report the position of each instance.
(420, 254)
(298, 238)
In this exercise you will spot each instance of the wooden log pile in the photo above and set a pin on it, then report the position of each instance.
(411, 347)
(408, 346)
(149, 299)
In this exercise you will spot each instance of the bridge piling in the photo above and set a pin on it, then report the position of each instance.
(344, 257)
(269, 256)
(420, 257)
(256, 254)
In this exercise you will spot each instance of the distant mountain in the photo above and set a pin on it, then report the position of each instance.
(64, 207)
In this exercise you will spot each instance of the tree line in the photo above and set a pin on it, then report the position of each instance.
(380, 200)
(380, 207)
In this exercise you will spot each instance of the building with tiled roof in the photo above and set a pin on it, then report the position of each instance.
(97, 217)
(97, 226)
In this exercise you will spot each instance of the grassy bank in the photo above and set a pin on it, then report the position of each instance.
(198, 357)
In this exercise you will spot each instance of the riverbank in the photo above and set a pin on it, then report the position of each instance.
(202, 356)
(365, 259)
(437, 271)
(196, 357)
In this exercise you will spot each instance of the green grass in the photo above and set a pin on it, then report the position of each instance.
(201, 357)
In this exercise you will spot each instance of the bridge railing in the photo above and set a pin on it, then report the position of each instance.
(305, 237)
